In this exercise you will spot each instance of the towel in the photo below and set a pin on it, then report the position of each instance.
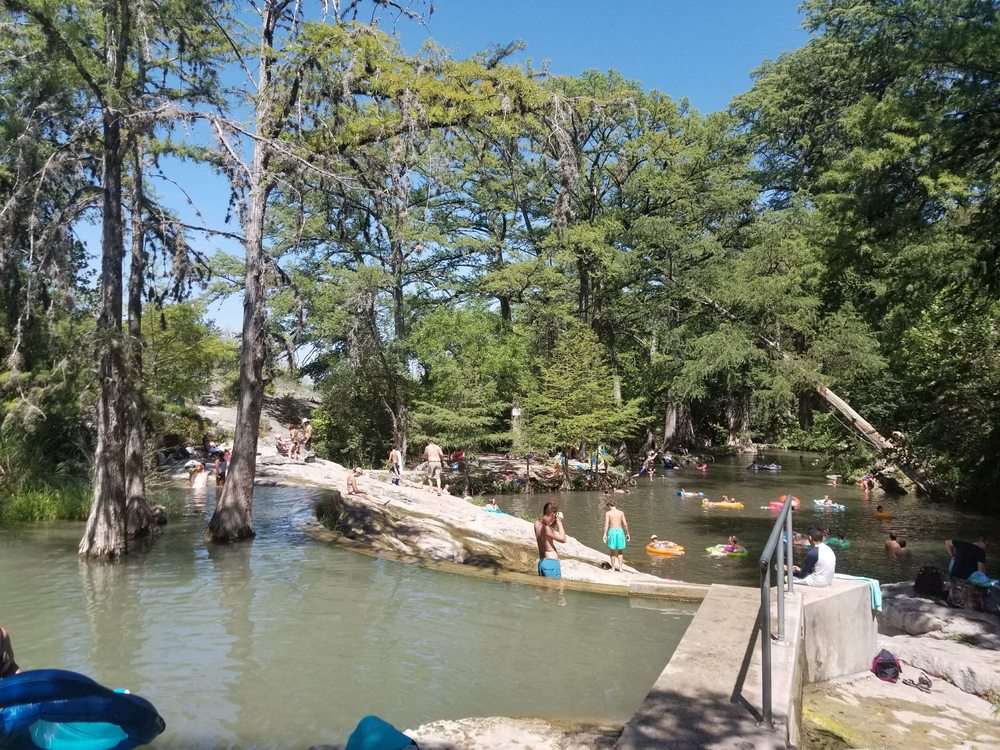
(874, 585)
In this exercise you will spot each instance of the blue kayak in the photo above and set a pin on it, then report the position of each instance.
(52, 709)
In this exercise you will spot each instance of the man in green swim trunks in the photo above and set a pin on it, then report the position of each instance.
(615, 534)
(548, 531)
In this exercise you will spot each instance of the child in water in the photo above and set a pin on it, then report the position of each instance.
(732, 545)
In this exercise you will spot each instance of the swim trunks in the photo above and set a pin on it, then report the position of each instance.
(616, 539)
(433, 468)
(549, 568)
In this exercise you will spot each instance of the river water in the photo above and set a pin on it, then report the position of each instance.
(653, 507)
(286, 641)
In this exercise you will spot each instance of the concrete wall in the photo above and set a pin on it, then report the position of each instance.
(840, 630)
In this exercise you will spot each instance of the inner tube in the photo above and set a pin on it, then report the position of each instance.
(667, 549)
(886, 515)
(780, 503)
(716, 550)
(682, 493)
(764, 467)
(722, 504)
(54, 709)
(837, 543)
(821, 505)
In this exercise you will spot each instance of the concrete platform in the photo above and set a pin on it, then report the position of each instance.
(690, 704)
(841, 630)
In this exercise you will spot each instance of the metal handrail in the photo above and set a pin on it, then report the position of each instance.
(782, 545)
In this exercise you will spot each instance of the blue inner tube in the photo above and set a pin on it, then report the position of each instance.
(52, 709)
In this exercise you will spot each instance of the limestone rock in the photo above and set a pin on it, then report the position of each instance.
(968, 668)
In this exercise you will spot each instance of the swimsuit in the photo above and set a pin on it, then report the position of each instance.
(616, 539)
(433, 467)
(549, 568)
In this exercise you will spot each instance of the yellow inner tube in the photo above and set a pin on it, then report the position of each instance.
(721, 504)
(665, 548)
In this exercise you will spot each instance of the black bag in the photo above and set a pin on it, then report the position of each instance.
(886, 666)
(929, 583)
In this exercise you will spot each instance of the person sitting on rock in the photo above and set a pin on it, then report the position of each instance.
(352, 482)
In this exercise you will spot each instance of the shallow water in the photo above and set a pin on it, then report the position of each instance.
(285, 641)
(653, 507)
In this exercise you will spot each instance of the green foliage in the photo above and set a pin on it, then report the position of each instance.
(183, 352)
(473, 369)
(574, 402)
(67, 502)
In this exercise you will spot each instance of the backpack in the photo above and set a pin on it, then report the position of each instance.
(929, 582)
(886, 666)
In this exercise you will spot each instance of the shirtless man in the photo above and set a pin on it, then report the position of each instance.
(434, 457)
(615, 534)
(395, 465)
(352, 482)
(307, 433)
(891, 545)
(548, 531)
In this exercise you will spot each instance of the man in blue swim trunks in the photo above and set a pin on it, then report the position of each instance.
(615, 534)
(548, 531)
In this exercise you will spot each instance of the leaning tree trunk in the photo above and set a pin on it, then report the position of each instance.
(885, 447)
(138, 516)
(105, 534)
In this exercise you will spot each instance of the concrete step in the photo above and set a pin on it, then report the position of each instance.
(689, 705)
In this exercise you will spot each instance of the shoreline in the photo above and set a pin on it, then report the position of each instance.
(841, 709)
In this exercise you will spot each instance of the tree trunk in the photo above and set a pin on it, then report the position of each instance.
(805, 411)
(138, 516)
(678, 430)
(566, 484)
(738, 419)
(105, 533)
(857, 422)
(398, 310)
(232, 520)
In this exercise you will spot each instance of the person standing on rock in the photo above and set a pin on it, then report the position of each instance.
(434, 457)
(395, 465)
(615, 533)
(548, 531)
(307, 433)
(295, 437)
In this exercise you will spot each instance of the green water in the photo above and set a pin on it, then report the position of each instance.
(285, 641)
(653, 507)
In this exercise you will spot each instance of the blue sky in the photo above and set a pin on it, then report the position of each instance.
(704, 50)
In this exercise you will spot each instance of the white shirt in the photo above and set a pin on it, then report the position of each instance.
(826, 566)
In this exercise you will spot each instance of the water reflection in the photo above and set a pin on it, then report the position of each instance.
(654, 507)
(286, 642)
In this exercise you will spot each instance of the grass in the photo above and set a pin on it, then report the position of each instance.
(993, 696)
(70, 502)
(969, 639)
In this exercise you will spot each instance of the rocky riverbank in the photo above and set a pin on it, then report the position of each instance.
(956, 649)
(418, 523)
